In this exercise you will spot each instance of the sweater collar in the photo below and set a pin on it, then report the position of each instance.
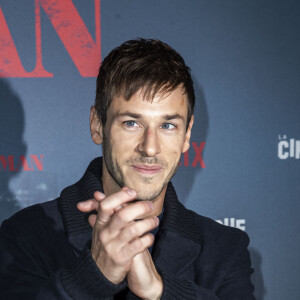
(175, 218)
(75, 221)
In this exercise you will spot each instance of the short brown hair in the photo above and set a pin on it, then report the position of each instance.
(146, 64)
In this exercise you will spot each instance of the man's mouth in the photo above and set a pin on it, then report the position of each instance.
(146, 169)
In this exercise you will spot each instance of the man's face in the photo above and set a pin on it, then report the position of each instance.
(143, 142)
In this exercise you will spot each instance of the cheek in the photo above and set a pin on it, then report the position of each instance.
(122, 145)
(174, 148)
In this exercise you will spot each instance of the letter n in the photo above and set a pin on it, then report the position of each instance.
(84, 51)
(10, 63)
(35, 160)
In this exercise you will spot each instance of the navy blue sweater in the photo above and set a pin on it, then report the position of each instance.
(45, 252)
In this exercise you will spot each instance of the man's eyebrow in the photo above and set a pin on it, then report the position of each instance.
(139, 116)
(128, 114)
(172, 117)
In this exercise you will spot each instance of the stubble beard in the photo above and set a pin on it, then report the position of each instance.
(117, 175)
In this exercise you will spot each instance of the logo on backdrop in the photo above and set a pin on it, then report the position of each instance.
(84, 51)
(233, 222)
(11, 163)
(193, 157)
(288, 147)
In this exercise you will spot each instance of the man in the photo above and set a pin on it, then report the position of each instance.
(120, 232)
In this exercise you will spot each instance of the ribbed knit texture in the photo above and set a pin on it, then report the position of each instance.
(177, 289)
(86, 279)
(74, 220)
(46, 250)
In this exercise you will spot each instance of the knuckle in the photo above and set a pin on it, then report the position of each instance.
(151, 237)
(152, 223)
(112, 254)
(138, 244)
(98, 221)
(108, 250)
(117, 259)
(102, 236)
(121, 216)
(132, 231)
(102, 206)
(148, 238)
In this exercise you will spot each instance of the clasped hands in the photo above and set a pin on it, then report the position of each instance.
(120, 243)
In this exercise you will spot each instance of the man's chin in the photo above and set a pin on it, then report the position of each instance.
(148, 188)
(148, 195)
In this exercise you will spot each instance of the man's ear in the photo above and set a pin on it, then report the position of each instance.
(96, 127)
(186, 144)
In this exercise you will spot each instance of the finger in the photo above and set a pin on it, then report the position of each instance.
(130, 213)
(99, 196)
(112, 203)
(92, 220)
(137, 229)
(91, 204)
(138, 245)
(118, 208)
(88, 205)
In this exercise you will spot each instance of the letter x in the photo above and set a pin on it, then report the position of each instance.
(198, 156)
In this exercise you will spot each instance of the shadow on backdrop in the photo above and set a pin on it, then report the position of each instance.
(12, 146)
(257, 277)
(185, 177)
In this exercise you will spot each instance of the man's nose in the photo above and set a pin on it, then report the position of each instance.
(149, 145)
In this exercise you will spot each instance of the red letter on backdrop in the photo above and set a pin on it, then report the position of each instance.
(69, 26)
(23, 163)
(10, 161)
(10, 63)
(35, 160)
(198, 152)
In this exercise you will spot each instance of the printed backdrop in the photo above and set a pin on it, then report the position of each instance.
(244, 162)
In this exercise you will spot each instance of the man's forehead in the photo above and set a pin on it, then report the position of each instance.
(173, 102)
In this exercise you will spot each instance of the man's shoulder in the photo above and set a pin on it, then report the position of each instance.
(35, 218)
(207, 231)
(200, 229)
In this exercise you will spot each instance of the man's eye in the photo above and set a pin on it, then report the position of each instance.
(168, 126)
(130, 123)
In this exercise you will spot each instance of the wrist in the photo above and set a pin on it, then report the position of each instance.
(157, 290)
